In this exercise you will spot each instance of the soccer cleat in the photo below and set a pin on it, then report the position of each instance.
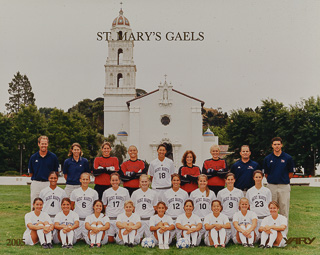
(245, 245)
(166, 246)
(267, 247)
(130, 245)
(251, 245)
(91, 246)
(261, 246)
(161, 246)
(70, 246)
(64, 246)
(45, 246)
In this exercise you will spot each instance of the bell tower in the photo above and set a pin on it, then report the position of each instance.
(120, 77)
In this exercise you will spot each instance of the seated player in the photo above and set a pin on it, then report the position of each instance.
(39, 226)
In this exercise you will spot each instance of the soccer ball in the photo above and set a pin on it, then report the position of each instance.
(183, 243)
(147, 242)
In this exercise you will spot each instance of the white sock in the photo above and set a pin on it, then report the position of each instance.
(132, 235)
(93, 236)
(242, 237)
(194, 236)
(99, 235)
(41, 235)
(272, 237)
(70, 237)
(264, 238)
(166, 237)
(124, 237)
(160, 237)
(63, 237)
(214, 236)
(222, 235)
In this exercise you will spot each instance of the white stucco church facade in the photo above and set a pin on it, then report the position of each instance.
(164, 115)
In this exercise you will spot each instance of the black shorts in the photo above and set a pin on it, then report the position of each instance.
(216, 189)
(100, 189)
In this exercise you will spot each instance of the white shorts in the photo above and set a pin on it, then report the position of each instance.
(144, 231)
(113, 230)
(56, 239)
(156, 241)
(88, 241)
(136, 239)
(206, 237)
(234, 236)
(78, 231)
(27, 237)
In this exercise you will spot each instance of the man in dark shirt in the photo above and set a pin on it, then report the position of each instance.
(278, 168)
(243, 170)
(40, 165)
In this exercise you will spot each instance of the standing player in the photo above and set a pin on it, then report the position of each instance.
(82, 202)
(162, 226)
(243, 170)
(202, 197)
(52, 196)
(278, 168)
(73, 167)
(160, 171)
(103, 167)
(145, 201)
(245, 224)
(113, 200)
(40, 165)
(216, 169)
(39, 226)
(259, 198)
(189, 172)
(131, 170)
(230, 197)
(66, 222)
(175, 198)
(217, 226)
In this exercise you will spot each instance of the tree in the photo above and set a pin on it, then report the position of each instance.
(20, 92)
(6, 146)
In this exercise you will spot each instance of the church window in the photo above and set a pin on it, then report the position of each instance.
(120, 35)
(120, 56)
(165, 120)
(119, 80)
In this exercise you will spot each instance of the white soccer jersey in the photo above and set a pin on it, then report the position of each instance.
(259, 200)
(83, 201)
(134, 218)
(183, 219)
(175, 201)
(114, 200)
(144, 202)
(280, 220)
(92, 218)
(211, 219)
(244, 219)
(52, 200)
(202, 202)
(161, 172)
(69, 219)
(155, 219)
(230, 200)
(32, 218)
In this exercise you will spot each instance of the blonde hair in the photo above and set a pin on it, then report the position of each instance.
(128, 202)
(246, 199)
(85, 173)
(274, 203)
(43, 137)
(215, 146)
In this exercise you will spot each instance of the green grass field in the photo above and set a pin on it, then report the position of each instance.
(304, 222)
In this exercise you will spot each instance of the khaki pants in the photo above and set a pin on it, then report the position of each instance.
(35, 189)
(281, 194)
(69, 188)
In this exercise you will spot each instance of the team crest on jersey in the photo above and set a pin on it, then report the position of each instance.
(250, 167)
(283, 161)
(271, 161)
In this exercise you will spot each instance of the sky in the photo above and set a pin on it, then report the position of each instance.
(251, 51)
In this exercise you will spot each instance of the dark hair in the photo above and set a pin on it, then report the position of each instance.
(53, 172)
(161, 203)
(276, 139)
(218, 201)
(66, 199)
(229, 174)
(35, 200)
(184, 157)
(188, 200)
(258, 172)
(161, 145)
(115, 174)
(245, 146)
(175, 175)
(71, 148)
(97, 201)
(106, 143)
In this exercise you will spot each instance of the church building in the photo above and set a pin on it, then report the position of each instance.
(164, 115)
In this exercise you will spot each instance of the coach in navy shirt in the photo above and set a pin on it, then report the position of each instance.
(243, 170)
(40, 165)
(278, 168)
(73, 167)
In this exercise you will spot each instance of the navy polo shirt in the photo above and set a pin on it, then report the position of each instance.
(74, 169)
(278, 168)
(244, 173)
(40, 167)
